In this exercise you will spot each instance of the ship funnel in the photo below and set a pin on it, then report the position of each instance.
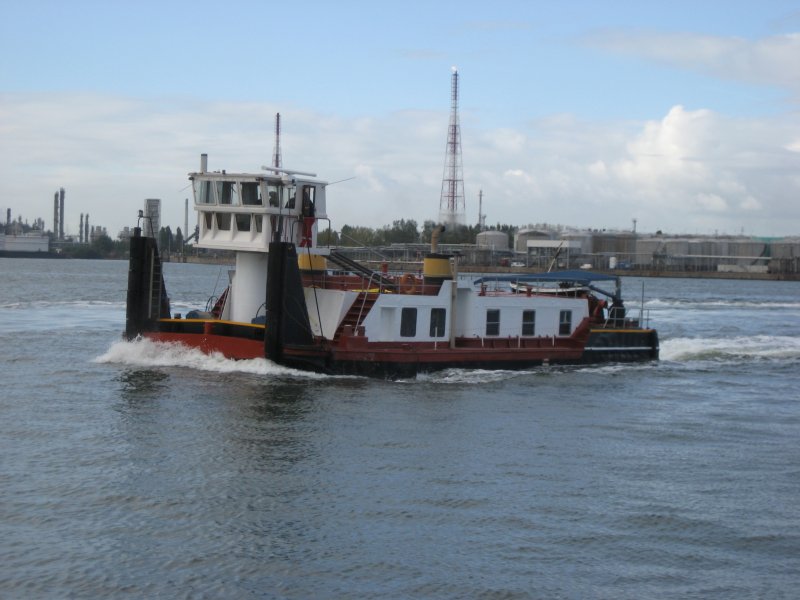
(203, 163)
(435, 266)
(437, 231)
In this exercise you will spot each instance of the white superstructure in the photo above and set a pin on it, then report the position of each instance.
(244, 212)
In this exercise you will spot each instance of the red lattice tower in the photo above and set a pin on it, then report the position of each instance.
(451, 203)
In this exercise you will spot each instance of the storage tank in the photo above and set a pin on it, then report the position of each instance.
(523, 235)
(494, 239)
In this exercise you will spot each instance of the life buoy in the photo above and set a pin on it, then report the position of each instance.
(408, 284)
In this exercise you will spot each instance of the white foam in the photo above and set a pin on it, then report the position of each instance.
(147, 353)
(741, 347)
(657, 303)
(468, 376)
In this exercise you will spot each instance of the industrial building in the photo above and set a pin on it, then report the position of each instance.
(628, 250)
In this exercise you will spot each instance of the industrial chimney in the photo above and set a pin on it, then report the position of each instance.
(55, 216)
(61, 214)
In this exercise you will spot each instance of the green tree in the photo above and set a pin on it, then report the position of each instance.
(328, 237)
(178, 240)
(357, 236)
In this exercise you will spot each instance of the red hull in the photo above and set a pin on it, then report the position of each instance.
(230, 347)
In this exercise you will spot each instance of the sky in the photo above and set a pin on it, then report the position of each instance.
(682, 116)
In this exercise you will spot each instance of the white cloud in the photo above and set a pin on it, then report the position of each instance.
(772, 60)
(712, 202)
(687, 171)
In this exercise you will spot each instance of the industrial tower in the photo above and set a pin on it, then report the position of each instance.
(451, 202)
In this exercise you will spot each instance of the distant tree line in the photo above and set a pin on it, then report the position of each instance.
(403, 232)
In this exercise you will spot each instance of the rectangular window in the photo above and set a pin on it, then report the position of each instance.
(226, 192)
(202, 191)
(565, 322)
(259, 223)
(408, 322)
(251, 193)
(242, 222)
(493, 322)
(528, 322)
(438, 316)
(273, 195)
(224, 221)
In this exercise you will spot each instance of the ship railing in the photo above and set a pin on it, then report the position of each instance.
(366, 294)
(642, 322)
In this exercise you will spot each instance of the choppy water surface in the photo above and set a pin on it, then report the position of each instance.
(133, 470)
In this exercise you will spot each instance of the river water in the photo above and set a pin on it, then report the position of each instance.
(130, 470)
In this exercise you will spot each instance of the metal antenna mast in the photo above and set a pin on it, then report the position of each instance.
(451, 202)
(481, 216)
(276, 154)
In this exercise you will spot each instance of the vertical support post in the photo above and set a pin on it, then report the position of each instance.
(453, 300)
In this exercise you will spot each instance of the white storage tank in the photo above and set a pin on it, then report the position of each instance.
(497, 240)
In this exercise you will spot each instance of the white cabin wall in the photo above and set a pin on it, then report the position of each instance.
(383, 322)
(328, 306)
(249, 287)
(472, 313)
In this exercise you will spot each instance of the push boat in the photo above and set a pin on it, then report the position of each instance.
(311, 307)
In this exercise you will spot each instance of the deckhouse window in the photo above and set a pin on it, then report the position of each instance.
(408, 322)
(203, 194)
(226, 192)
(273, 195)
(224, 221)
(438, 316)
(251, 193)
(493, 322)
(565, 322)
(243, 222)
(528, 322)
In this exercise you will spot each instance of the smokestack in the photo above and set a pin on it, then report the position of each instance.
(203, 163)
(86, 229)
(80, 230)
(61, 214)
(8, 217)
(55, 216)
(437, 231)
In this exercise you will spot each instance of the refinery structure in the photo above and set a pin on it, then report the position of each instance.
(18, 238)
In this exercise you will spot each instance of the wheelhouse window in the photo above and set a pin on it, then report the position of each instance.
(565, 322)
(493, 322)
(226, 192)
(259, 223)
(251, 193)
(273, 194)
(224, 221)
(203, 193)
(243, 222)
(438, 316)
(408, 322)
(528, 322)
